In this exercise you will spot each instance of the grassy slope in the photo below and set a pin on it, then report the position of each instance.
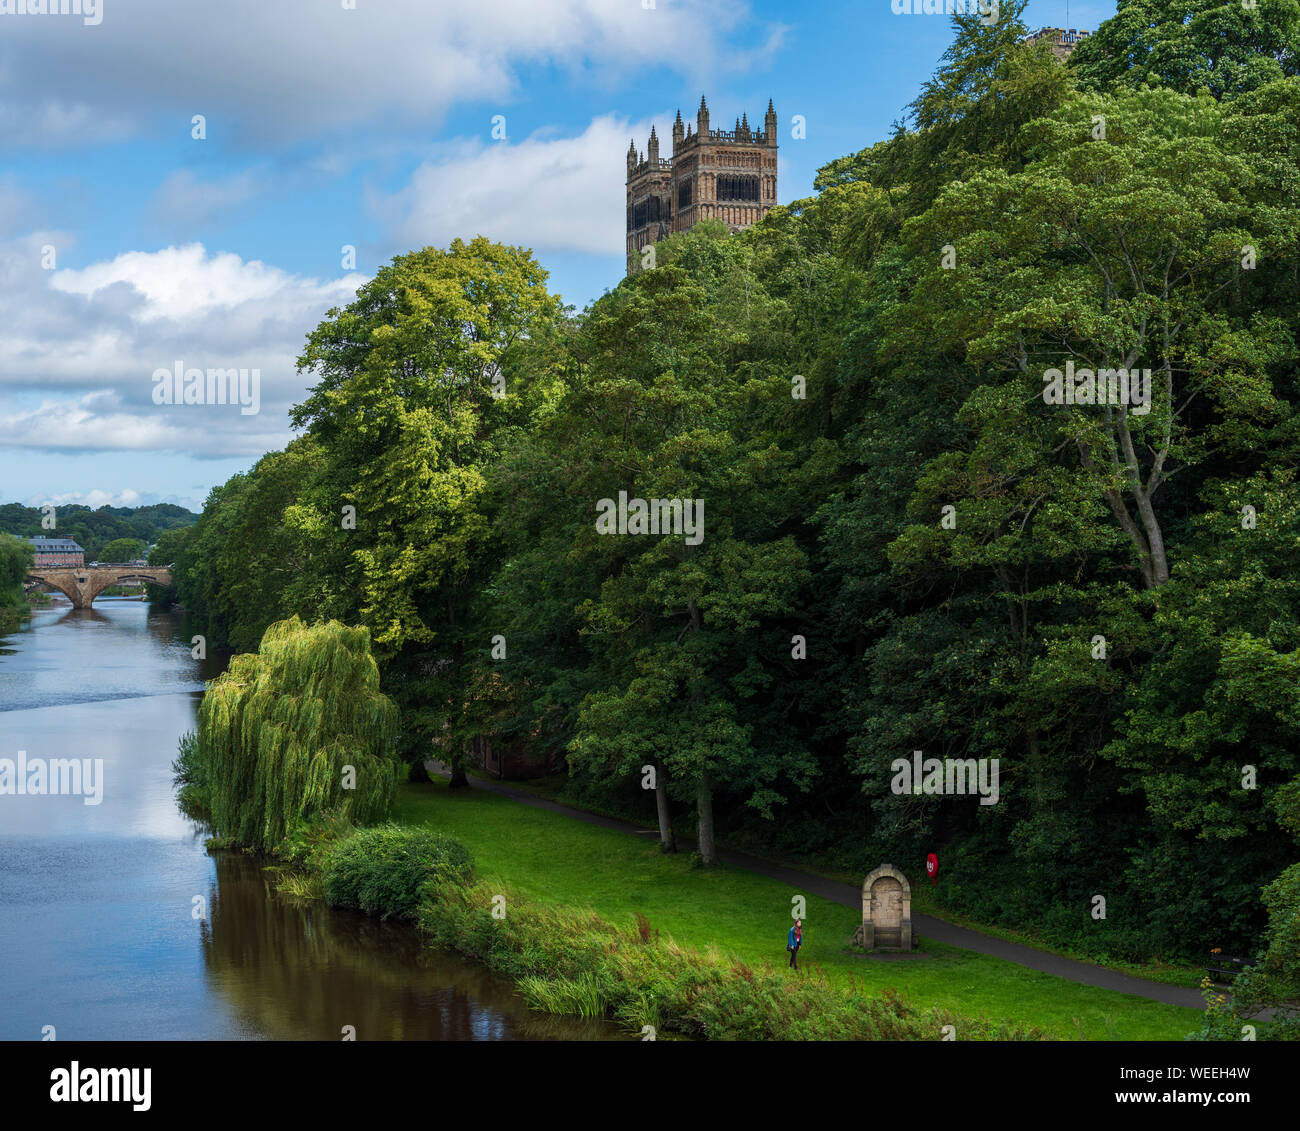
(556, 859)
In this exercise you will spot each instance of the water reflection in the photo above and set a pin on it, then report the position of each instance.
(116, 650)
(96, 924)
(298, 970)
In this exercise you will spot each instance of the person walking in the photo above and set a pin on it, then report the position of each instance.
(794, 940)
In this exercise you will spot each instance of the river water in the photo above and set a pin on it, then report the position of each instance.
(116, 924)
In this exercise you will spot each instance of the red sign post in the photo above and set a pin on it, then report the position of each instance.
(932, 868)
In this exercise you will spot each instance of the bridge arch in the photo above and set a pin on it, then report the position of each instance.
(82, 585)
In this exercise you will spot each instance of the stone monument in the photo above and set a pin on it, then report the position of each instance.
(886, 911)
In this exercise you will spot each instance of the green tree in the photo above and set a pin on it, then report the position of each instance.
(1101, 252)
(121, 550)
(419, 379)
(170, 542)
(967, 117)
(686, 632)
(244, 566)
(1119, 252)
(1226, 48)
(297, 729)
(15, 560)
(170, 545)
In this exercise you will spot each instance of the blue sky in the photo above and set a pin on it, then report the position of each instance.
(369, 126)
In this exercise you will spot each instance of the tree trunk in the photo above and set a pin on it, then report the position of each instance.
(708, 853)
(456, 761)
(1148, 538)
(1155, 539)
(667, 842)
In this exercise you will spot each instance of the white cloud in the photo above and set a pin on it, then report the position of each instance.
(100, 422)
(268, 71)
(186, 283)
(127, 497)
(81, 347)
(544, 192)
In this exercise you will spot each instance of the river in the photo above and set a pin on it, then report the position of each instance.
(117, 924)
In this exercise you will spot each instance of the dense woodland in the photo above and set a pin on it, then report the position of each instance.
(1112, 608)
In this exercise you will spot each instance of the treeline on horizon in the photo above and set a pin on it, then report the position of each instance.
(1111, 608)
(93, 529)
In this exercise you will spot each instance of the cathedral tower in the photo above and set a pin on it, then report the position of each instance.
(727, 175)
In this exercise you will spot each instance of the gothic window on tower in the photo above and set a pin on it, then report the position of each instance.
(683, 195)
(738, 188)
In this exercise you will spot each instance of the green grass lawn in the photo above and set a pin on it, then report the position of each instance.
(923, 898)
(556, 859)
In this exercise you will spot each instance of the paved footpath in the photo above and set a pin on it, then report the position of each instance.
(851, 896)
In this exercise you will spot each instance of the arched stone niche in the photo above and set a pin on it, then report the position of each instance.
(886, 910)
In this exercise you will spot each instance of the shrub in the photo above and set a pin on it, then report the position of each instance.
(310, 840)
(1273, 983)
(388, 869)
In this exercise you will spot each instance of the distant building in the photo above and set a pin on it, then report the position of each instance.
(1062, 40)
(727, 175)
(61, 553)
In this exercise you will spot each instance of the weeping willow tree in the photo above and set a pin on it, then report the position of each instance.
(294, 729)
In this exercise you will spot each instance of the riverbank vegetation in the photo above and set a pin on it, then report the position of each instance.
(906, 545)
(389, 871)
(572, 961)
(591, 921)
(15, 558)
(568, 959)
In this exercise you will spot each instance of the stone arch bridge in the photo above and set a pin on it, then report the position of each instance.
(83, 584)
